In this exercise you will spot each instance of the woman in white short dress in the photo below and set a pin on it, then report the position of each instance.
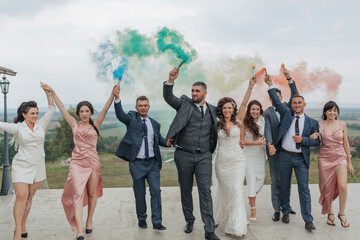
(28, 165)
(252, 133)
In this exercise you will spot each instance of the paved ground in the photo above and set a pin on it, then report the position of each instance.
(115, 218)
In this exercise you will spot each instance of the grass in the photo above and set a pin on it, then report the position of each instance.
(115, 173)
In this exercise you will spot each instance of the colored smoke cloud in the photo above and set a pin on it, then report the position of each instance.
(144, 63)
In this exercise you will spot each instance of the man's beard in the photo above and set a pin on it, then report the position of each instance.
(198, 100)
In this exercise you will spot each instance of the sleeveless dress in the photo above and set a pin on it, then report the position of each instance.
(255, 161)
(331, 155)
(84, 160)
(230, 212)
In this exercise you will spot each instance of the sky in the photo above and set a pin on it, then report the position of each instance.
(53, 41)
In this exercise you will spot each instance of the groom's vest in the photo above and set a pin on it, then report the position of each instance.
(197, 132)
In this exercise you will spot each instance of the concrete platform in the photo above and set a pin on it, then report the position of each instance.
(115, 218)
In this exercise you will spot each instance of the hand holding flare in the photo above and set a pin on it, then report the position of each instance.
(253, 70)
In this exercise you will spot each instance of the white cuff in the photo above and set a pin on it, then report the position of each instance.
(117, 101)
(169, 83)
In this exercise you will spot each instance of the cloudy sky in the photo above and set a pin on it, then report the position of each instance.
(51, 41)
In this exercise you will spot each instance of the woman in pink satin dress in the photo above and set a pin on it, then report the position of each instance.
(84, 182)
(334, 161)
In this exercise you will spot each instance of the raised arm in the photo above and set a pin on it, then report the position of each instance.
(45, 120)
(292, 85)
(69, 119)
(120, 114)
(98, 121)
(242, 109)
(274, 97)
(168, 94)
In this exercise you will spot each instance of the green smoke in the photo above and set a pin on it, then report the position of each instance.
(132, 43)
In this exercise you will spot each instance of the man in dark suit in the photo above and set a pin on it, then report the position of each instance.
(294, 143)
(194, 134)
(140, 146)
(272, 122)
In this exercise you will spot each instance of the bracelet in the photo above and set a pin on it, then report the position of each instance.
(250, 86)
(349, 156)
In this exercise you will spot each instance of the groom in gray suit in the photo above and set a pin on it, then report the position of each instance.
(272, 122)
(194, 134)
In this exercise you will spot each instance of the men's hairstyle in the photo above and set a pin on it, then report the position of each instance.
(298, 96)
(278, 91)
(329, 105)
(201, 84)
(142, 98)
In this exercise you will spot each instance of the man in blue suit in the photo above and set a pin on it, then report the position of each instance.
(293, 142)
(272, 123)
(140, 146)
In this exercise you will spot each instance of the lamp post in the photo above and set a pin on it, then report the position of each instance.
(4, 84)
(5, 186)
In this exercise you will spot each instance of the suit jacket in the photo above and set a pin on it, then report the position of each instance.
(287, 116)
(271, 120)
(184, 107)
(130, 144)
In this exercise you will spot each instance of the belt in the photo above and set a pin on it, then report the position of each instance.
(292, 153)
(144, 159)
(184, 150)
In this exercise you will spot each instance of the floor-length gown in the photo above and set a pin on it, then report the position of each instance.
(255, 161)
(84, 160)
(331, 155)
(229, 208)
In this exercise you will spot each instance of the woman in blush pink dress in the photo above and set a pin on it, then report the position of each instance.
(84, 182)
(334, 161)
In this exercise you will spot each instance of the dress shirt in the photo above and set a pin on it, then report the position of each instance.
(277, 113)
(150, 139)
(288, 142)
(198, 107)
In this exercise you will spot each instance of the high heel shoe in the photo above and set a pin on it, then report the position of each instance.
(24, 235)
(80, 237)
(253, 220)
(332, 221)
(343, 222)
(89, 230)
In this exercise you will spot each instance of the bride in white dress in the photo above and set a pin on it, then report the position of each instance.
(229, 208)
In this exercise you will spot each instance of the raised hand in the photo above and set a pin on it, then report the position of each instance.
(116, 91)
(252, 81)
(173, 74)
(268, 80)
(46, 88)
(287, 74)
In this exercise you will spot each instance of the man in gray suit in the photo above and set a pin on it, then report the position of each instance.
(272, 122)
(194, 134)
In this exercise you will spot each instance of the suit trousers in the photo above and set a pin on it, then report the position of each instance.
(287, 163)
(149, 170)
(275, 180)
(200, 165)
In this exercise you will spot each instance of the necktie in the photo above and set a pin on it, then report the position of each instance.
(297, 132)
(202, 111)
(146, 140)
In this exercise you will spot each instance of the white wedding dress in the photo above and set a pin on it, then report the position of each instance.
(229, 208)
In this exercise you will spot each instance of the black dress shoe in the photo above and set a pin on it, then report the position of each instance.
(88, 231)
(285, 218)
(24, 235)
(211, 236)
(292, 211)
(309, 226)
(276, 216)
(142, 224)
(80, 237)
(189, 227)
(159, 226)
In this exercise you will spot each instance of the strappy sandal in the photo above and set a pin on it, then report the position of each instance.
(253, 220)
(343, 222)
(332, 221)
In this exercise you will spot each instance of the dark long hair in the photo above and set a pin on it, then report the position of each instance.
(249, 122)
(24, 108)
(330, 105)
(88, 104)
(221, 124)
